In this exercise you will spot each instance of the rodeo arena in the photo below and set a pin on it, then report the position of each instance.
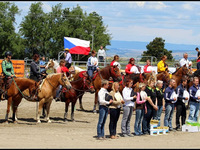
(100, 103)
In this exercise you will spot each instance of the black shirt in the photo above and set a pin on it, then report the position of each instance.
(160, 96)
(152, 93)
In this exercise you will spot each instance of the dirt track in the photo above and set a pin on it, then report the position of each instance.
(81, 133)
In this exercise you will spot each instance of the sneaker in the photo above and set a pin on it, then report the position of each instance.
(131, 135)
(171, 129)
(99, 138)
(125, 135)
(178, 129)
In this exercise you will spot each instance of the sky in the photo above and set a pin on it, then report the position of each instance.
(177, 22)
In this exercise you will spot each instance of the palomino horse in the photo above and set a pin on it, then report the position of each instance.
(54, 64)
(48, 90)
(79, 87)
(16, 92)
(104, 73)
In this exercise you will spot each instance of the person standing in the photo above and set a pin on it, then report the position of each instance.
(8, 72)
(180, 105)
(194, 103)
(131, 67)
(68, 58)
(103, 109)
(35, 68)
(127, 108)
(101, 55)
(185, 61)
(162, 66)
(92, 64)
(140, 109)
(160, 100)
(114, 109)
(169, 105)
(151, 107)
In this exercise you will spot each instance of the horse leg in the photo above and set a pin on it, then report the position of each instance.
(95, 102)
(15, 105)
(80, 102)
(72, 109)
(8, 109)
(43, 111)
(48, 110)
(41, 103)
(66, 110)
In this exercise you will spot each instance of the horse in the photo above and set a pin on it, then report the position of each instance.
(16, 91)
(47, 91)
(104, 73)
(52, 63)
(79, 87)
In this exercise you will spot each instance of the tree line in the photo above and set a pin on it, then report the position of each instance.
(45, 32)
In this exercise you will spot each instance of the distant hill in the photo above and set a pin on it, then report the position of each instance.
(136, 48)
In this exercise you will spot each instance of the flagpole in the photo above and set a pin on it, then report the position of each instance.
(93, 26)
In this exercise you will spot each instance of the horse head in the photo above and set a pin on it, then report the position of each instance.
(88, 85)
(50, 64)
(115, 73)
(164, 76)
(186, 71)
(33, 91)
(64, 81)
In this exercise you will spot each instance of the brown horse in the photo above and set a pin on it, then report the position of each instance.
(104, 73)
(47, 90)
(79, 87)
(16, 92)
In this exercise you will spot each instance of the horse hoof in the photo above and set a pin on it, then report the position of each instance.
(65, 120)
(38, 122)
(15, 122)
(94, 111)
(49, 121)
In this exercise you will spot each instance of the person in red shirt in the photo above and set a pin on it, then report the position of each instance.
(131, 63)
(115, 59)
(147, 68)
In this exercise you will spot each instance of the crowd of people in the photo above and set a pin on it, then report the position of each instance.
(148, 100)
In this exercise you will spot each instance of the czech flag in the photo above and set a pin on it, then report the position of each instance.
(77, 46)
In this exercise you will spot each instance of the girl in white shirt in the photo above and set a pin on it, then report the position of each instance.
(128, 108)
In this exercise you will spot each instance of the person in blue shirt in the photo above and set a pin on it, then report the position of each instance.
(169, 104)
(42, 64)
(194, 103)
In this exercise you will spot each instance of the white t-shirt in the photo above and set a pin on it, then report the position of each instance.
(134, 69)
(149, 68)
(183, 61)
(101, 52)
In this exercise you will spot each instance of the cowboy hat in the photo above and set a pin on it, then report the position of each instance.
(66, 49)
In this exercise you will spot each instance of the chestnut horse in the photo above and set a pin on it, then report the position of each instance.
(47, 91)
(104, 73)
(79, 87)
(16, 92)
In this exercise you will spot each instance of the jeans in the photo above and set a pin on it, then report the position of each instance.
(127, 114)
(180, 112)
(138, 121)
(146, 120)
(194, 111)
(91, 70)
(58, 91)
(169, 110)
(103, 113)
(114, 116)
(158, 115)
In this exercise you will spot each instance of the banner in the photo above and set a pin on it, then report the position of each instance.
(18, 66)
(77, 46)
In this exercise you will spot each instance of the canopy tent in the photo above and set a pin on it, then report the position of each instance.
(77, 46)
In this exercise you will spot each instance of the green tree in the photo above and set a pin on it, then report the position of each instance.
(157, 48)
(9, 40)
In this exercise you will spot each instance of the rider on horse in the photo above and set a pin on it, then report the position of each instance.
(162, 66)
(8, 72)
(92, 64)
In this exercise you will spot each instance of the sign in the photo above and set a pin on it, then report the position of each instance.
(18, 66)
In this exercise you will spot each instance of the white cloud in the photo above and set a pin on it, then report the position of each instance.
(156, 5)
(187, 6)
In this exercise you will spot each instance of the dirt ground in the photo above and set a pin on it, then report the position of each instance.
(81, 133)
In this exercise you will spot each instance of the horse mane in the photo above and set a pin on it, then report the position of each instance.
(176, 70)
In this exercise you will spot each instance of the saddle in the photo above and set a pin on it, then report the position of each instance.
(5, 86)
